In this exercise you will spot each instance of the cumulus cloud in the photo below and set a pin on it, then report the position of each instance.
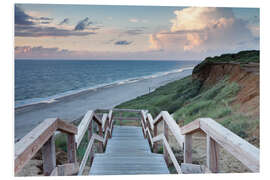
(124, 42)
(83, 24)
(204, 29)
(65, 21)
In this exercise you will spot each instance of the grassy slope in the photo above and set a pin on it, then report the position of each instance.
(186, 100)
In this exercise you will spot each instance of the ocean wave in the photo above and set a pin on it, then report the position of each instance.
(55, 98)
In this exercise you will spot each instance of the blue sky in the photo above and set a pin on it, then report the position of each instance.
(132, 32)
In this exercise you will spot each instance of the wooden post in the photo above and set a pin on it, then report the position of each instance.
(100, 132)
(212, 155)
(71, 148)
(90, 130)
(188, 148)
(166, 135)
(155, 144)
(48, 156)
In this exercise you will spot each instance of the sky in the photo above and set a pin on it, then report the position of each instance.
(50, 31)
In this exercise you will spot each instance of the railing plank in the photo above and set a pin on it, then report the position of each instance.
(191, 127)
(83, 126)
(166, 136)
(174, 128)
(86, 154)
(172, 156)
(104, 120)
(150, 119)
(66, 127)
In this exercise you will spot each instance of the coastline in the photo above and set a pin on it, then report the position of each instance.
(73, 106)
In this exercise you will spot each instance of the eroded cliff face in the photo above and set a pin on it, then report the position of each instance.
(246, 75)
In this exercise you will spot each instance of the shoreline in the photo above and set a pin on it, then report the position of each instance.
(73, 106)
(70, 93)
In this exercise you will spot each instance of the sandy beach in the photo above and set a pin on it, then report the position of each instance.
(74, 106)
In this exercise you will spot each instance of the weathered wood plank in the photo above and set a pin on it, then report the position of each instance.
(158, 138)
(97, 120)
(155, 135)
(191, 127)
(166, 136)
(211, 154)
(188, 148)
(104, 120)
(172, 156)
(158, 119)
(66, 127)
(150, 119)
(86, 155)
(71, 148)
(245, 152)
(83, 126)
(48, 156)
(28, 146)
(174, 128)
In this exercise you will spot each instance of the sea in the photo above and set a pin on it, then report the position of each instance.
(67, 89)
(39, 81)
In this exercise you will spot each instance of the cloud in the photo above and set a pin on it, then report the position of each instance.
(134, 31)
(38, 31)
(65, 21)
(196, 18)
(204, 30)
(40, 52)
(124, 42)
(21, 17)
(83, 24)
(133, 20)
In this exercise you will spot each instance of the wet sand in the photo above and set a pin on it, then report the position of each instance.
(74, 106)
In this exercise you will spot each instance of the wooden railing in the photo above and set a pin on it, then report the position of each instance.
(217, 135)
(42, 137)
(150, 131)
(105, 126)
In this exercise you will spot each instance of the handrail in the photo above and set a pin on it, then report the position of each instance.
(148, 125)
(105, 126)
(41, 137)
(242, 150)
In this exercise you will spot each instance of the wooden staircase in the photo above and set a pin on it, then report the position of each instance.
(127, 152)
(130, 149)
